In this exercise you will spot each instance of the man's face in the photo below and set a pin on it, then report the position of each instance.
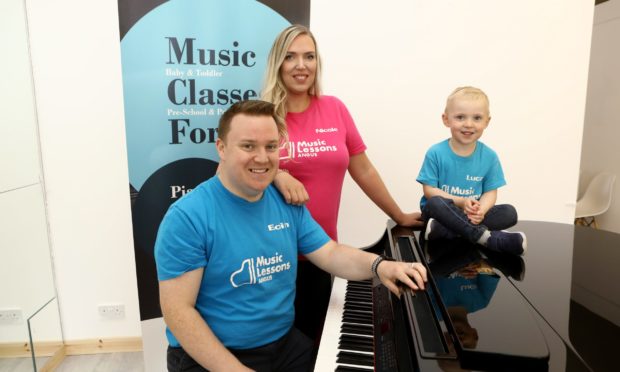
(249, 155)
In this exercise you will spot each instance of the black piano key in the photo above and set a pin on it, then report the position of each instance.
(355, 347)
(356, 338)
(359, 297)
(348, 357)
(357, 320)
(351, 317)
(360, 283)
(361, 338)
(361, 287)
(352, 345)
(358, 290)
(361, 307)
(348, 342)
(352, 369)
(358, 329)
(356, 311)
(362, 296)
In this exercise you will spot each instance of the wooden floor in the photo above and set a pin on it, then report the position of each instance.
(16, 364)
(112, 362)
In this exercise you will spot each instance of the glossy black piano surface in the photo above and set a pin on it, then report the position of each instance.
(555, 309)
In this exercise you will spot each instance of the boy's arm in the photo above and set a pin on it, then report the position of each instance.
(487, 201)
(178, 301)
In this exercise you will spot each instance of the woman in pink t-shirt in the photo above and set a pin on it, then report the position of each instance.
(323, 144)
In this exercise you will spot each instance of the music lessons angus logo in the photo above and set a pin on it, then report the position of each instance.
(259, 270)
(184, 62)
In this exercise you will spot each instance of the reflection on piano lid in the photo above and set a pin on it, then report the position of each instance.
(494, 324)
(485, 324)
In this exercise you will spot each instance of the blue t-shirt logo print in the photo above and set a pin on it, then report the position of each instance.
(245, 275)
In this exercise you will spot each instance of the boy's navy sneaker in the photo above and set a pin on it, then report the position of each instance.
(435, 230)
(508, 241)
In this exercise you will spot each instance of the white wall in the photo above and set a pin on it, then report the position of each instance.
(26, 279)
(76, 62)
(600, 150)
(19, 153)
(395, 64)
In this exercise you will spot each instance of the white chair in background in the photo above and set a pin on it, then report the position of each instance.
(596, 200)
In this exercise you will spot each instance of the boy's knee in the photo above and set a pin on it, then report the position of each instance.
(434, 206)
(506, 216)
(512, 214)
(436, 202)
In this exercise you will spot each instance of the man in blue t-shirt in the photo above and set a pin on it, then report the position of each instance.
(460, 177)
(226, 258)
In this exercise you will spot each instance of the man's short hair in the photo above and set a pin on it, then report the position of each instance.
(250, 108)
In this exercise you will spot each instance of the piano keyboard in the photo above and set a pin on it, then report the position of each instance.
(344, 355)
(347, 344)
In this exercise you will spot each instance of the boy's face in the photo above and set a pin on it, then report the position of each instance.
(249, 156)
(467, 119)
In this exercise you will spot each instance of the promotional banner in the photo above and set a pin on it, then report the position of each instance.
(184, 63)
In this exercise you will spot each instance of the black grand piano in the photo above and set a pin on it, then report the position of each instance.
(555, 309)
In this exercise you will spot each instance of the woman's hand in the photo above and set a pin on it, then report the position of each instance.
(291, 189)
(409, 219)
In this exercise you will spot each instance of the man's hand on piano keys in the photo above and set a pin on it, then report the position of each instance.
(401, 276)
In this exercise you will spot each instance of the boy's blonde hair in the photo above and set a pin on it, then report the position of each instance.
(274, 90)
(468, 92)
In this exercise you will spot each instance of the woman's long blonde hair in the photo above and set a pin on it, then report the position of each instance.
(274, 90)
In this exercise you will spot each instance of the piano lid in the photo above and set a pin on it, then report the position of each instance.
(494, 325)
(445, 260)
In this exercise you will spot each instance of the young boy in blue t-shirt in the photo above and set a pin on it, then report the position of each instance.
(460, 177)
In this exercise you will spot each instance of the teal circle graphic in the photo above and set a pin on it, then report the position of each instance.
(183, 64)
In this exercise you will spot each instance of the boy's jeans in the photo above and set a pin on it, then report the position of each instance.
(453, 218)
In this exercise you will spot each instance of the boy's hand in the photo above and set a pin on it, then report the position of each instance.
(474, 212)
(476, 218)
(471, 206)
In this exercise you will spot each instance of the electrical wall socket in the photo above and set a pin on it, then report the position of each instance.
(112, 311)
(10, 316)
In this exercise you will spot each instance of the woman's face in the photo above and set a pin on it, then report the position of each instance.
(298, 70)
